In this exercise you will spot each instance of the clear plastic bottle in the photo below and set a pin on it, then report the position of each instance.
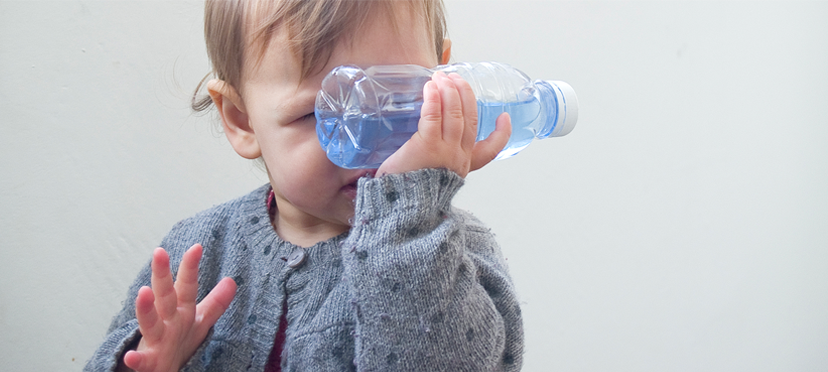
(364, 116)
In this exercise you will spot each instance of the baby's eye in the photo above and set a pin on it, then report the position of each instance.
(310, 116)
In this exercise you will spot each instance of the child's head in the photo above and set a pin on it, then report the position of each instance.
(238, 31)
(269, 60)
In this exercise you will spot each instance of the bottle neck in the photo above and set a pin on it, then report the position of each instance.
(548, 96)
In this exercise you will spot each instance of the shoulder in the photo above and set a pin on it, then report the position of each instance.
(215, 223)
(472, 227)
(480, 240)
(470, 222)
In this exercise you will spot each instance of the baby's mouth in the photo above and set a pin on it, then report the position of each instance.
(350, 190)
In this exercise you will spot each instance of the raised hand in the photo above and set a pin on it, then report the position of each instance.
(446, 133)
(172, 325)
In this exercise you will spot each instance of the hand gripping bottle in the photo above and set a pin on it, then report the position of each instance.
(364, 116)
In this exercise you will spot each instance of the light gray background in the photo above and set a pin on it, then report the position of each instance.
(682, 226)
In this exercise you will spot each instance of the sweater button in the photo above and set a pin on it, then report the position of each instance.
(296, 258)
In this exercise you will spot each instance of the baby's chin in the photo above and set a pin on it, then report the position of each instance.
(350, 191)
(345, 217)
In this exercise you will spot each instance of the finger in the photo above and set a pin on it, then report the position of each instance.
(469, 108)
(486, 150)
(215, 304)
(431, 118)
(186, 283)
(162, 284)
(148, 322)
(135, 360)
(453, 123)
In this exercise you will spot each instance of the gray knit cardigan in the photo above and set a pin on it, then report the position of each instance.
(415, 285)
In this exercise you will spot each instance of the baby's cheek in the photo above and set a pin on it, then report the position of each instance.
(308, 188)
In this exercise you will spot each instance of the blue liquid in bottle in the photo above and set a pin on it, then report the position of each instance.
(523, 115)
(364, 116)
(366, 140)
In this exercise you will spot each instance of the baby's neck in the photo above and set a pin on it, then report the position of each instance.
(305, 235)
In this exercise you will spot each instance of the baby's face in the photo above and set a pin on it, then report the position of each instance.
(315, 197)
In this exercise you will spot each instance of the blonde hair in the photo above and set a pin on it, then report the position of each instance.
(233, 28)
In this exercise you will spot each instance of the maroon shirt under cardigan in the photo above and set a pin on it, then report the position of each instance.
(274, 362)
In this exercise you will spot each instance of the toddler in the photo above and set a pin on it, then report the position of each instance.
(324, 268)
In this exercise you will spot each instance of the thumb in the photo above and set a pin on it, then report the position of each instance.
(486, 150)
(215, 304)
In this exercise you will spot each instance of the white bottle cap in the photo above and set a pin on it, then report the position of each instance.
(567, 108)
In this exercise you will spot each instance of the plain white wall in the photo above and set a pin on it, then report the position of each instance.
(682, 226)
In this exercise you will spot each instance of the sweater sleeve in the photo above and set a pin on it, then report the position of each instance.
(428, 282)
(123, 330)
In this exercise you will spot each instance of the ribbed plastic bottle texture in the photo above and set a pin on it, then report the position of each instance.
(364, 116)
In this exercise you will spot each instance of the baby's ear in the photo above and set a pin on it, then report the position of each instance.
(444, 59)
(234, 119)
